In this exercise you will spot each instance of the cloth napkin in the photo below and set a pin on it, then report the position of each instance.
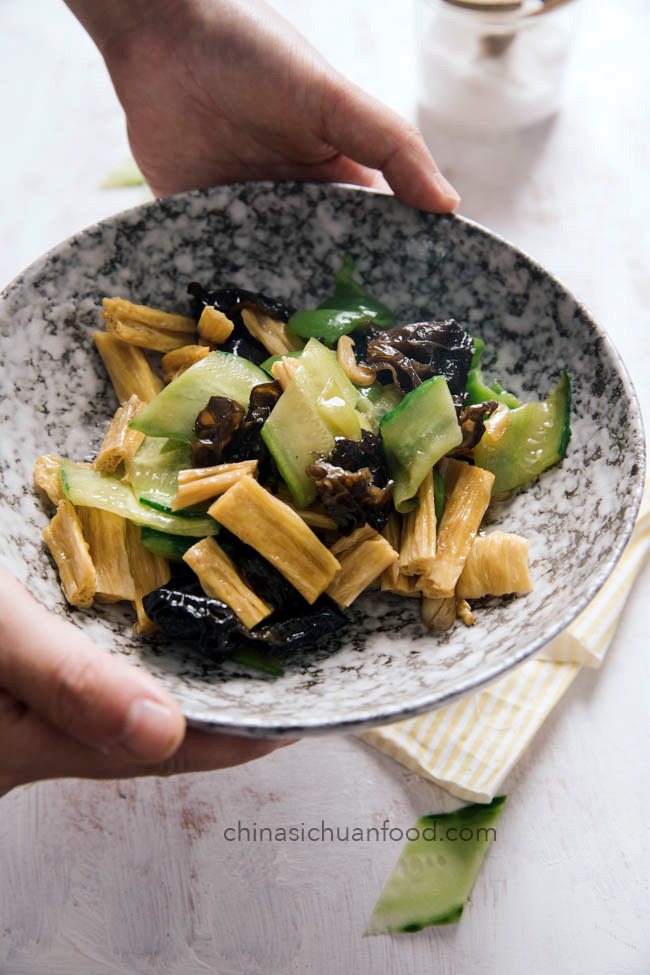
(469, 747)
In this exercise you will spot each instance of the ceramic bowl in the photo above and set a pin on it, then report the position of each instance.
(286, 240)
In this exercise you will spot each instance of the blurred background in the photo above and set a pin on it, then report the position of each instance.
(568, 887)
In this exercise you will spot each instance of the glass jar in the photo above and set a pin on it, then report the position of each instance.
(489, 67)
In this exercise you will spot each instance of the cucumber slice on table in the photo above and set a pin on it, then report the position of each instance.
(537, 437)
(83, 486)
(436, 872)
(416, 434)
(173, 411)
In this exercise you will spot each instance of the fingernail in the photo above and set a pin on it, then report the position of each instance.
(151, 729)
(447, 190)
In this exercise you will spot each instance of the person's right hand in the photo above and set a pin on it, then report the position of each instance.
(70, 709)
(221, 91)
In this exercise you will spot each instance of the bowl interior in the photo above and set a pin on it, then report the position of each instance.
(286, 240)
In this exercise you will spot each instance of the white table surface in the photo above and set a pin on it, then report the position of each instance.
(136, 876)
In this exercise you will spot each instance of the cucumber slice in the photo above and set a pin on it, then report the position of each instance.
(173, 411)
(171, 445)
(153, 472)
(169, 546)
(536, 438)
(295, 434)
(321, 364)
(317, 405)
(323, 380)
(435, 873)
(377, 400)
(197, 512)
(341, 419)
(83, 486)
(421, 430)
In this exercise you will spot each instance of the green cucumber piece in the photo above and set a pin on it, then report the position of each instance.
(295, 435)
(479, 392)
(436, 871)
(172, 445)
(321, 364)
(198, 512)
(153, 472)
(421, 430)
(340, 418)
(84, 486)
(169, 546)
(317, 406)
(325, 383)
(537, 437)
(267, 365)
(376, 401)
(173, 411)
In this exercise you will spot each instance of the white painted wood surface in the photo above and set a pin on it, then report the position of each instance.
(136, 876)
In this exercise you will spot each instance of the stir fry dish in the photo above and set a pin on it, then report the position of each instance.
(284, 462)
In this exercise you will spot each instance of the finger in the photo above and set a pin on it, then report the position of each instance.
(202, 751)
(31, 750)
(360, 127)
(85, 693)
(340, 169)
(334, 169)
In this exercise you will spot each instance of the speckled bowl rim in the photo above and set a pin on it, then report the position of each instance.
(366, 719)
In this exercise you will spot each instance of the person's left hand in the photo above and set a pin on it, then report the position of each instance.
(68, 708)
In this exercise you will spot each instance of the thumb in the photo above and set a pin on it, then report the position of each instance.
(366, 131)
(66, 680)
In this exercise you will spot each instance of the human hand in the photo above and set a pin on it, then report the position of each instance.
(70, 709)
(220, 91)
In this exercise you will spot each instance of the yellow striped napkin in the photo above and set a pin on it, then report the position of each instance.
(470, 746)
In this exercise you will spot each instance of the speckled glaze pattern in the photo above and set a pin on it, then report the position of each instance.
(287, 240)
